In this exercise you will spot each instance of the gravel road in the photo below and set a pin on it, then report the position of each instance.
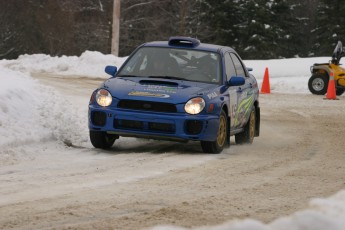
(143, 183)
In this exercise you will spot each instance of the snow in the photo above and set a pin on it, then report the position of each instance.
(322, 214)
(286, 75)
(90, 64)
(31, 112)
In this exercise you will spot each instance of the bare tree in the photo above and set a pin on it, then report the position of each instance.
(6, 31)
(53, 27)
(148, 20)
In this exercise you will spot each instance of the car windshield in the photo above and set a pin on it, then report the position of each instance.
(171, 63)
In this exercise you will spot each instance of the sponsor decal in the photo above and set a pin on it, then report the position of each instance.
(212, 95)
(244, 95)
(148, 94)
(160, 88)
(243, 110)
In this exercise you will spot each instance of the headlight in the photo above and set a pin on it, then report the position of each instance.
(103, 97)
(194, 105)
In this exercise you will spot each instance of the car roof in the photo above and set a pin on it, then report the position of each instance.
(188, 43)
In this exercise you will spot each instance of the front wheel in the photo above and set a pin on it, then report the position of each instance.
(102, 140)
(222, 135)
(248, 134)
(318, 84)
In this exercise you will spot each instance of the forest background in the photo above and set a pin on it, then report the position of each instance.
(257, 29)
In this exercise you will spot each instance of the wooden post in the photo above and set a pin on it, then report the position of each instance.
(115, 28)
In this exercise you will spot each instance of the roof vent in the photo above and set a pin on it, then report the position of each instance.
(183, 41)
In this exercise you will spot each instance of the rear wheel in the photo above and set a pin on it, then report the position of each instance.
(318, 84)
(248, 134)
(222, 135)
(340, 91)
(102, 140)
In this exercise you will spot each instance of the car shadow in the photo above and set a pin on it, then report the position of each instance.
(135, 146)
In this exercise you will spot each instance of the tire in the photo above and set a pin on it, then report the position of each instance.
(318, 84)
(102, 140)
(339, 91)
(248, 134)
(222, 136)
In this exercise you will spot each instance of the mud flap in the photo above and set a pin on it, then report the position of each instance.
(257, 122)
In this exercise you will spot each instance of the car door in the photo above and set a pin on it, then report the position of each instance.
(234, 91)
(245, 96)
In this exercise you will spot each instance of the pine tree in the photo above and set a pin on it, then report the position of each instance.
(256, 31)
(218, 20)
(299, 38)
(330, 26)
(255, 28)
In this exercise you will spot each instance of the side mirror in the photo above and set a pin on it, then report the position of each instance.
(236, 81)
(111, 70)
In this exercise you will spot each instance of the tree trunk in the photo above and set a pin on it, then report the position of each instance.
(116, 28)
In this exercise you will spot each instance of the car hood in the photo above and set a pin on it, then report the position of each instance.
(162, 90)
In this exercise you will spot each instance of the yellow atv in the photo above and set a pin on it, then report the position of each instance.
(318, 82)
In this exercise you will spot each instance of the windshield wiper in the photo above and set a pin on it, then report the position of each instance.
(170, 77)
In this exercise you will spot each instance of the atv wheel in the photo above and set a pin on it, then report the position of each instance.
(318, 84)
(248, 134)
(218, 145)
(102, 140)
(340, 91)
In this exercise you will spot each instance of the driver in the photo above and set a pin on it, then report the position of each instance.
(208, 66)
(162, 64)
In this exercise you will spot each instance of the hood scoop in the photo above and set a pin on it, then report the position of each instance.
(157, 82)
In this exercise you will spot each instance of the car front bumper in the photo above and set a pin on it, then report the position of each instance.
(165, 126)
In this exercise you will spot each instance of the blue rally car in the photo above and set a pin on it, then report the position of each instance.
(179, 90)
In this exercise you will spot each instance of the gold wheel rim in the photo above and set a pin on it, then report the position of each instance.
(252, 125)
(222, 131)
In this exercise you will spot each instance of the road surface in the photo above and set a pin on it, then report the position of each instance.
(143, 183)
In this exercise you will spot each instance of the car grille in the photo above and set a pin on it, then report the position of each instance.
(129, 124)
(147, 106)
(161, 127)
(144, 126)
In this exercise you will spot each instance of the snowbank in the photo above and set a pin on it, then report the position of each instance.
(31, 112)
(90, 64)
(286, 75)
(284, 68)
(322, 214)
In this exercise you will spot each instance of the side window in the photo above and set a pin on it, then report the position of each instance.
(238, 66)
(229, 67)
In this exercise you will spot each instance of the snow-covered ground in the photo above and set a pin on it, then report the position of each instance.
(31, 112)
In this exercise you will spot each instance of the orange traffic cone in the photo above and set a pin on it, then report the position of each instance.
(265, 88)
(331, 95)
